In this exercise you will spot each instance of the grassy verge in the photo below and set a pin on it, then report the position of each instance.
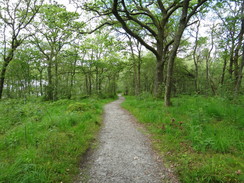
(42, 141)
(202, 138)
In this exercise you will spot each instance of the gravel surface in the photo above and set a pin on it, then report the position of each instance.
(124, 154)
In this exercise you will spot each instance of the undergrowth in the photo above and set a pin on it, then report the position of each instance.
(44, 141)
(202, 137)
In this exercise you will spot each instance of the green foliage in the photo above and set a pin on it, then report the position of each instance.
(56, 16)
(43, 141)
(144, 95)
(79, 107)
(201, 136)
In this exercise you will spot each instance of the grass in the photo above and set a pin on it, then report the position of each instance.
(201, 137)
(44, 141)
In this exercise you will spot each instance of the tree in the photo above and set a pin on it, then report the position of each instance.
(52, 33)
(239, 46)
(100, 65)
(70, 58)
(207, 55)
(136, 56)
(16, 17)
(232, 33)
(154, 25)
(184, 19)
(195, 54)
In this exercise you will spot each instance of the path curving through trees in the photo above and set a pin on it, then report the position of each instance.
(124, 154)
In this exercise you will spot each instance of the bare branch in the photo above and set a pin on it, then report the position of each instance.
(192, 23)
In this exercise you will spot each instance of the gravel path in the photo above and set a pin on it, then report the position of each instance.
(123, 154)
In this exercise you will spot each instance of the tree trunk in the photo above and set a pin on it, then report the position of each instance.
(90, 84)
(240, 44)
(223, 71)
(195, 58)
(55, 95)
(86, 84)
(41, 85)
(196, 79)
(97, 79)
(208, 58)
(139, 68)
(158, 87)
(135, 81)
(2, 77)
(100, 82)
(72, 79)
(49, 95)
(71, 86)
(236, 70)
(224, 68)
(207, 72)
(240, 74)
(170, 67)
(6, 60)
(8, 91)
(135, 69)
(139, 75)
(231, 60)
(176, 44)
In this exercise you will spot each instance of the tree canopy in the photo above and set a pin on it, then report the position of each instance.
(102, 47)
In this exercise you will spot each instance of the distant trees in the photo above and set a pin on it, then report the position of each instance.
(48, 51)
(88, 67)
(136, 61)
(239, 48)
(195, 54)
(139, 69)
(232, 30)
(103, 64)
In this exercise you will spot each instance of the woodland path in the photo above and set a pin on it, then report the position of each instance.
(124, 153)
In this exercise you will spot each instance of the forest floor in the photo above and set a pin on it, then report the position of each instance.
(123, 153)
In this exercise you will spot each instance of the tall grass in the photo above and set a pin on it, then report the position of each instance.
(43, 141)
(202, 136)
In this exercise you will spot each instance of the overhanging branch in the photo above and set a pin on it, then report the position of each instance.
(97, 28)
(129, 31)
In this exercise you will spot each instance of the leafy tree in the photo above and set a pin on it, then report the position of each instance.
(15, 17)
(102, 63)
(231, 16)
(163, 23)
(53, 31)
